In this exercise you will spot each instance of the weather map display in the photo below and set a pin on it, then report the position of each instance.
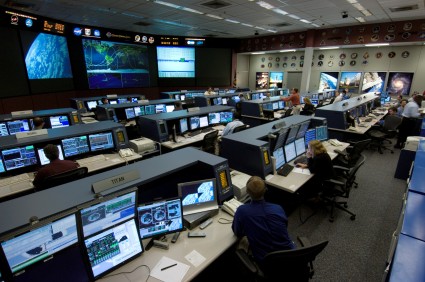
(115, 65)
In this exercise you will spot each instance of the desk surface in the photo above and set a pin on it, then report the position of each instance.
(219, 238)
(364, 126)
(414, 216)
(417, 182)
(185, 141)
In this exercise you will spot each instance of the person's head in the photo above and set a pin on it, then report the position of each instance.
(210, 89)
(178, 105)
(129, 99)
(404, 102)
(307, 101)
(241, 96)
(105, 101)
(392, 111)
(51, 151)
(399, 97)
(256, 188)
(418, 99)
(315, 147)
(294, 91)
(38, 123)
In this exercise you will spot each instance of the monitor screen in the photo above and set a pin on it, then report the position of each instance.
(182, 97)
(275, 105)
(3, 129)
(129, 113)
(183, 125)
(169, 108)
(280, 138)
(303, 129)
(214, 118)
(101, 141)
(322, 133)
(122, 100)
(91, 105)
(281, 105)
(150, 109)
(75, 146)
(290, 151)
(236, 99)
(224, 101)
(219, 101)
(1, 166)
(160, 218)
(160, 108)
(203, 121)
(111, 211)
(300, 146)
(39, 243)
(44, 160)
(198, 196)
(59, 121)
(226, 117)
(279, 157)
(175, 62)
(16, 126)
(113, 247)
(139, 111)
(268, 106)
(19, 157)
(194, 122)
(293, 130)
(113, 102)
(310, 135)
(255, 96)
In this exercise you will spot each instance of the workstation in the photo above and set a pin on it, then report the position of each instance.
(262, 110)
(88, 104)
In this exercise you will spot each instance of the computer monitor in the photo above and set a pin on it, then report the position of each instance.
(300, 146)
(194, 122)
(268, 106)
(290, 152)
(113, 102)
(224, 101)
(182, 97)
(275, 106)
(129, 113)
(112, 247)
(3, 129)
(279, 157)
(214, 118)
(2, 166)
(160, 218)
(198, 196)
(322, 133)
(281, 105)
(150, 109)
(75, 146)
(101, 141)
(226, 117)
(16, 126)
(91, 105)
(170, 108)
(310, 135)
(236, 99)
(139, 111)
(255, 96)
(219, 101)
(42, 157)
(203, 121)
(293, 130)
(59, 121)
(278, 139)
(104, 213)
(19, 157)
(160, 108)
(303, 129)
(122, 100)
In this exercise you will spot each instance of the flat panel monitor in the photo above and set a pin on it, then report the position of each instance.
(183, 125)
(322, 133)
(303, 129)
(236, 99)
(113, 102)
(198, 196)
(39, 243)
(42, 157)
(268, 106)
(214, 118)
(110, 211)
(279, 157)
(101, 141)
(280, 138)
(150, 109)
(219, 101)
(293, 130)
(16, 126)
(224, 101)
(310, 135)
(177, 96)
(255, 96)
(159, 218)
(169, 108)
(3, 129)
(182, 97)
(175, 62)
(19, 157)
(275, 106)
(139, 111)
(91, 105)
(59, 121)
(129, 113)
(75, 146)
(113, 247)
(290, 152)
(281, 105)
(194, 122)
(160, 108)
(203, 121)
(122, 100)
(1, 166)
(226, 117)
(300, 146)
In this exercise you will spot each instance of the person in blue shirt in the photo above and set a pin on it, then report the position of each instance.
(264, 224)
(231, 126)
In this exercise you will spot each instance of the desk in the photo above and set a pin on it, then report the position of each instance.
(414, 216)
(417, 181)
(185, 141)
(219, 238)
(363, 127)
(294, 180)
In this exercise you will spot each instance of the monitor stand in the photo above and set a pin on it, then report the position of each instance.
(193, 220)
(151, 243)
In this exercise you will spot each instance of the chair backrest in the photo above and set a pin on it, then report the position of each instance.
(292, 265)
(287, 113)
(240, 128)
(332, 100)
(353, 171)
(306, 113)
(391, 122)
(355, 153)
(208, 144)
(63, 177)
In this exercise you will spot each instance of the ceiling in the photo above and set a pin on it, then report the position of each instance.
(221, 18)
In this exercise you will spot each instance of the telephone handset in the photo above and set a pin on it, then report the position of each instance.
(126, 152)
(231, 206)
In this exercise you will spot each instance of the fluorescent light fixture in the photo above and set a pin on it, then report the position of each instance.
(192, 10)
(289, 50)
(316, 25)
(377, 44)
(213, 16)
(279, 11)
(358, 6)
(352, 1)
(305, 21)
(265, 5)
(259, 27)
(366, 13)
(168, 4)
(271, 30)
(360, 19)
(258, 53)
(132, 15)
(294, 17)
(245, 24)
(329, 48)
(231, 21)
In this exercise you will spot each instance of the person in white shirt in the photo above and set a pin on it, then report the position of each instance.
(209, 91)
(231, 126)
(338, 97)
(409, 121)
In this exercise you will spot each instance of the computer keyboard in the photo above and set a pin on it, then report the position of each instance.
(368, 120)
(208, 129)
(194, 133)
(301, 160)
(285, 170)
(24, 177)
(93, 159)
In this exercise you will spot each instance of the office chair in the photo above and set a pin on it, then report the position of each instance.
(240, 128)
(332, 100)
(340, 187)
(63, 177)
(287, 113)
(384, 133)
(306, 113)
(208, 144)
(289, 265)
(351, 155)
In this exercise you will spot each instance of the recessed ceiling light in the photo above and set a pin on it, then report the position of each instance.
(213, 16)
(265, 5)
(366, 13)
(289, 50)
(360, 19)
(271, 30)
(192, 10)
(168, 4)
(305, 21)
(258, 53)
(328, 48)
(259, 27)
(280, 11)
(316, 25)
(294, 17)
(377, 44)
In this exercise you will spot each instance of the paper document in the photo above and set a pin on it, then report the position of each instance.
(195, 258)
(169, 270)
(305, 171)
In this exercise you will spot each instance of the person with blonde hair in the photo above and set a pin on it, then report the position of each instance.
(318, 161)
(308, 106)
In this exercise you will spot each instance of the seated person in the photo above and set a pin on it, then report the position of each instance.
(338, 96)
(104, 101)
(38, 123)
(241, 98)
(318, 161)
(55, 166)
(178, 106)
(231, 126)
(400, 108)
(308, 106)
(264, 224)
(209, 91)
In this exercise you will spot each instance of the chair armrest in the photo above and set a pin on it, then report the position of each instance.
(304, 241)
(340, 152)
(343, 168)
(334, 181)
(246, 261)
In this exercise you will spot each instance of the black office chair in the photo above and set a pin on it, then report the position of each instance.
(289, 265)
(340, 187)
(306, 113)
(351, 155)
(332, 100)
(63, 177)
(209, 142)
(287, 113)
(240, 128)
(384, 133)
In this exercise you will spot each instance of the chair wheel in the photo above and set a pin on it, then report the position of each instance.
(392, 152)
(353, 217)
(331, 219)
(345, 206)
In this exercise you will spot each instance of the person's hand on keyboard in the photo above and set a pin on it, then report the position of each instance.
(301, 165)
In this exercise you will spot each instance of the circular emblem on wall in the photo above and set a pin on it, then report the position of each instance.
(341, 63)
(330, 64)
(270, 65)
(293, 58)
(407, 26)
(389, 37)
(285, 58)
(284, 65)
(347, 40)
(277, 65)
(378, 55)
(365, 62)
(365, 55)
(353, 55)
(374, 37)
(293, 65)
(391, 55)
(263, 59)
(391, 28)
(262, 66)
(360, 39)
(376, 29)
(332, 57)
(277, 59)
(302, 35)
(342, 56)
(361, 29)
(320, 63)
(321, 57)
(270, 58)
(405, 54)
(353, 63)
(302, 57)
(406, 35)
(301, 64)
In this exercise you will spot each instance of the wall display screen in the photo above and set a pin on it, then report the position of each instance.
(175, 62)
(276, 79)
(115, 65)
(328, 80)
(350, 80)
(399, 82)
(373, 82)
(261, 80)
